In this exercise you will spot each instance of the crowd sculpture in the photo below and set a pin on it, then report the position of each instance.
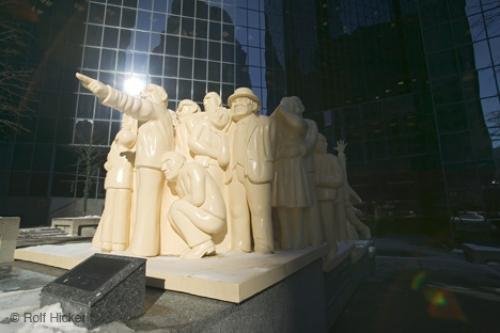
(193, 183)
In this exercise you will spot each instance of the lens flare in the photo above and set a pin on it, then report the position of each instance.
(133, 86)
(418, 281)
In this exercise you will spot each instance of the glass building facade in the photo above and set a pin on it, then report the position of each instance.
(411, 85)
(189, 47)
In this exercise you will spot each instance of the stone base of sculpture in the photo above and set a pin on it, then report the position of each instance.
(232, 277)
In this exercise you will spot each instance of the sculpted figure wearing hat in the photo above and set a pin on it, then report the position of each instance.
(155, 137)
(249, 174)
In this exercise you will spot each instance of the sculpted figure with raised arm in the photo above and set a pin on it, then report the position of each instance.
(155, 137)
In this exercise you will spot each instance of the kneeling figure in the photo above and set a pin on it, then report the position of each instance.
(200, 212)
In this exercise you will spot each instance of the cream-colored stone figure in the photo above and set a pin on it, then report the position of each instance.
(249, 174)
(209, 145)
(291, 193)
(356, 228)
(188, 115)
(113, 230)
(209, 142)
(155, 137)
(200, 211)
(314, 230)
(329, 178)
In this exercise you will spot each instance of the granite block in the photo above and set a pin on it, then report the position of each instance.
(101, 289)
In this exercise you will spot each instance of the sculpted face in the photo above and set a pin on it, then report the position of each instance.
(186, 108)
(293, 105)
(211, 102)
(242, 107)
(153, 95)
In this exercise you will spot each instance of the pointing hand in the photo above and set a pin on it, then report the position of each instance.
(94, 86)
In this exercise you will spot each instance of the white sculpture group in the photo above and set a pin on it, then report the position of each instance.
(192, 183)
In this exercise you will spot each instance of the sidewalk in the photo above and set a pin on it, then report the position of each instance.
(420, 288)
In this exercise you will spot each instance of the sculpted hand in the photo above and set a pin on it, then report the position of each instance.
(341, 145)
(96, 87)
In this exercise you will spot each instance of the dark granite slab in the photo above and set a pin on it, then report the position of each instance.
(101, 289)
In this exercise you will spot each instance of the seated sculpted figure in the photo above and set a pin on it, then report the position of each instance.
(200, 211)
(113, 230)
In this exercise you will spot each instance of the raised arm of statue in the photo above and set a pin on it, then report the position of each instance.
(137, 108)
(341, 146)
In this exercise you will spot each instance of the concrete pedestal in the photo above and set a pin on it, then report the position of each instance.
(284, 292)
(232, 277)
(77, 226)
(9, 229)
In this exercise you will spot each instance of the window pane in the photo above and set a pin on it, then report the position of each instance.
(94, 34)
(170, 66)
(185, 68)
(108, 59)
(144, 20)
(214, 71)
(112, 15)
(91, 58)
(187, 47)
(96, 14)
(156, 64)
(110, 37)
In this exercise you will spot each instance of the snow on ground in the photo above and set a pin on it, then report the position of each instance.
(20, 312)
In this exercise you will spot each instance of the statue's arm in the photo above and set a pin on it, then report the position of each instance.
(197, 175)
(135, 107)
(195, 144)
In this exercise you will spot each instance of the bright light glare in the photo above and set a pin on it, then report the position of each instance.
(133, 86)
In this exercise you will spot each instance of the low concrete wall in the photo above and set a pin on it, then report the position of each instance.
(64, 207)
(9, 229)
(77, 226)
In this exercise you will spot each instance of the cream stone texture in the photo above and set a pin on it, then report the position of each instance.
(231, 277)
(195, 183)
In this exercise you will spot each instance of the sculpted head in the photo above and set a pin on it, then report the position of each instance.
(243, 103)
(155, 94)
(321, 144)
(213, 108)
(212, 102)
(186, 108)
(171, 165)
(293, 104)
